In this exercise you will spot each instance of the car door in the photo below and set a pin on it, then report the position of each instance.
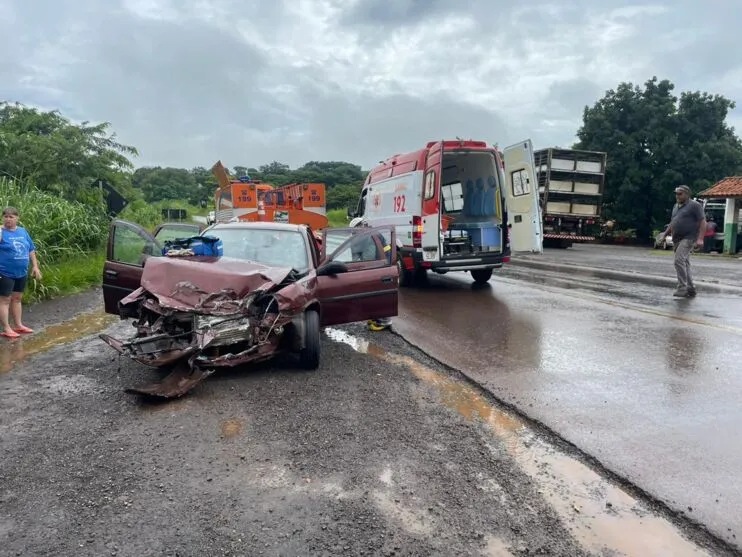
(129, 246)
(521, 188)
(369, 289)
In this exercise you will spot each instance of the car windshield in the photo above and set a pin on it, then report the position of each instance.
(281, 248)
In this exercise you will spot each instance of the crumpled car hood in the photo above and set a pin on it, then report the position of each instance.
(213, 285)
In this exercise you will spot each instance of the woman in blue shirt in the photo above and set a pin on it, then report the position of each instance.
(17, 250)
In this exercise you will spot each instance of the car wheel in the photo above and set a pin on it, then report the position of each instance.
(405, 276)
(481, 276)
(309, 355)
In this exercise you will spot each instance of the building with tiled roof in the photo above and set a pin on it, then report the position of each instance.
(730, 186)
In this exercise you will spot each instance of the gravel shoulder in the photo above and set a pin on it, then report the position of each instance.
(358, 458)
(380, 452)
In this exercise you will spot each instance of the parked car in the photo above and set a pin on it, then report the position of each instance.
(271, 291)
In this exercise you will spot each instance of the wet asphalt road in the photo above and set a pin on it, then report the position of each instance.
(707, 267)
(380, 452)
(647, 384)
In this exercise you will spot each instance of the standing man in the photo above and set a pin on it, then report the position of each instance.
(687, 227)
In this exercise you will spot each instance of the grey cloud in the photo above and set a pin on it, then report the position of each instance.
(188, 93)
(571, 96)
(396, 13)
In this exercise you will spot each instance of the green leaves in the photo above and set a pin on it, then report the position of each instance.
(656, 141)
(56, 154)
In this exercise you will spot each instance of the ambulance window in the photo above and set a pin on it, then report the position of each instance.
(521, 183)
(430, 185)
(453, 197)
(362, 204)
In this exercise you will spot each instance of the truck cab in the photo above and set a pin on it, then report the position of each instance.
(456, 205)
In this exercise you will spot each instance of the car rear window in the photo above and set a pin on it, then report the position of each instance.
(282, 248)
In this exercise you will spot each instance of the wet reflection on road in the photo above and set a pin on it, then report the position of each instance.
(15, 351)
(599, 514)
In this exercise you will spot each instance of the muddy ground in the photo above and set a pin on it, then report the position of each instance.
(370, 455)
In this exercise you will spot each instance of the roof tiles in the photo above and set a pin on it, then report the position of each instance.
(728, 187)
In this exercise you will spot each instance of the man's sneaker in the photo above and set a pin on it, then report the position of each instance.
(691, 292)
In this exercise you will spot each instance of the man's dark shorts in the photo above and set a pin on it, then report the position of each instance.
(9, 285)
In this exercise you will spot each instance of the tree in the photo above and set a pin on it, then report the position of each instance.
(656, 142)
(158, 184)
(58, 156)
(341, 196)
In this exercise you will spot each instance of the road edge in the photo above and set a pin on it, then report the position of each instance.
(612, 274)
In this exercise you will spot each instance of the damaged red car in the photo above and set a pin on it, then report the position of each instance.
(270, 290)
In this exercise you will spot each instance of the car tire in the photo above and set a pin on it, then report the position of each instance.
(481, 276)
(309, 356)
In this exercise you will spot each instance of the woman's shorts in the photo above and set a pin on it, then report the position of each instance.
(9, 285)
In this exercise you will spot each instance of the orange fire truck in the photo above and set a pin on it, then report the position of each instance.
(253, 200)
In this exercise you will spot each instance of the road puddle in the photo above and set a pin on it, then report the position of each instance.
(15, 351)
(600, 515)
(232, 427)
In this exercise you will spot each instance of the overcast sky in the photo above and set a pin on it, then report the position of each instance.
(188, 82)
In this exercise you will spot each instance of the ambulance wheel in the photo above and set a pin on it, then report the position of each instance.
(405, 276)
(481, 276)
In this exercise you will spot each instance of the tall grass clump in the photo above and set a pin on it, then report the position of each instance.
(68, 235)
(59, 228)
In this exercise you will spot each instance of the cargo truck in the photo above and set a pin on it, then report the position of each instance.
(571, 193)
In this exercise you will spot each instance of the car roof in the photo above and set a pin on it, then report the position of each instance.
(260, 225)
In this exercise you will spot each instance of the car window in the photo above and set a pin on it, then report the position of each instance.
(171, 232)
(334, 240)
(130, 247)
(361, 248)
(281, 248)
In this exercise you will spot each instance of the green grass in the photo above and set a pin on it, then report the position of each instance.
(67, 276)
(60, 229)
(338, 218)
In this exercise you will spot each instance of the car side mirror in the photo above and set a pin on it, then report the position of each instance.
(332, 268)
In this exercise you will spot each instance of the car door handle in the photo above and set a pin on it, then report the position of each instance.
(111, 274)
(386, 279)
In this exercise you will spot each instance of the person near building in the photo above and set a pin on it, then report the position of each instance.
(687, 226)
(708, 237)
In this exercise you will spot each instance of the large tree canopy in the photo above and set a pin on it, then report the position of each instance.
(48, 150)
(656, 142)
